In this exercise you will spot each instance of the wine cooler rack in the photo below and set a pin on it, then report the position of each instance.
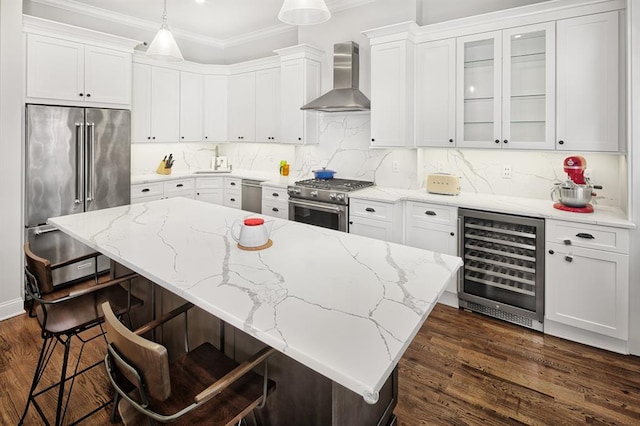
(503, 266)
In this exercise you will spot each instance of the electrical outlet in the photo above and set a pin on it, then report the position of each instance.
(506, 171)
(395, 166)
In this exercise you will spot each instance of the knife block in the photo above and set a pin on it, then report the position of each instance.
(162, 168)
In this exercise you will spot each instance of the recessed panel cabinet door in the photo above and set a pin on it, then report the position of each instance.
(587, 83)
(165, 105)
(436, 93)
(55, 68)
(215, 108)
(242, 107)
(107, 75)
(587, 289)
(141, 104)
(191, 87)
(268, 105)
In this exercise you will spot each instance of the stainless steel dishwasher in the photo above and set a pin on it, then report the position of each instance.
(251, 195)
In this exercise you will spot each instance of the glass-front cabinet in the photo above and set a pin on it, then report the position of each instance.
(506, 89)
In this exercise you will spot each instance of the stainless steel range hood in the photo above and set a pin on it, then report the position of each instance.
(345, 95)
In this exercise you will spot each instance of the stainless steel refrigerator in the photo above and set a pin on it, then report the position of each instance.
(77, 160)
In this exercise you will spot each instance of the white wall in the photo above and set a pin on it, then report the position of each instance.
(11, 170)
(634, 176)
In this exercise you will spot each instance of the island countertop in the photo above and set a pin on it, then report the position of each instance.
(344, 305)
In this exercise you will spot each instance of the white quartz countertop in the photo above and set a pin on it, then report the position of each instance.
(603, 215)
(270, 179)
(344, 305)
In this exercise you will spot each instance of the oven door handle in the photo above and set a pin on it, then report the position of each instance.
(318, 206)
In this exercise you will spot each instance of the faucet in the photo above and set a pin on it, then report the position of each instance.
(215, 159)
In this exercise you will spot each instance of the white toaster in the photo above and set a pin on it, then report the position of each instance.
(443, 183)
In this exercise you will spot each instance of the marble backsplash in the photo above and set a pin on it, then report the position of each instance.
(344, 147)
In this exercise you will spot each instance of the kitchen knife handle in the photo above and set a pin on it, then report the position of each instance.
(91, 160)
(79, 164)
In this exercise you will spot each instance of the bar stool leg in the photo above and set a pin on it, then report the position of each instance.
(36, 377)
(63, 374)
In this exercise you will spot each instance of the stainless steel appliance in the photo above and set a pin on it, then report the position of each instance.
(77, 160)
(251, 195)
(323, 202)
(503, 273)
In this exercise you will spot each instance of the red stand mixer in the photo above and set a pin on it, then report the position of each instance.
(575, 194)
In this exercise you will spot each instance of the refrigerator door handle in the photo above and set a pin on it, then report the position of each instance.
(41, 231)
(79, 167)
(91, 160)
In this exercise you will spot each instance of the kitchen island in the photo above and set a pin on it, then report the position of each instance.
(344, 306)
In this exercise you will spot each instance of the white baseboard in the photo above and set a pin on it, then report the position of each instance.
(585, 337)
(449, 299)
(11, 308)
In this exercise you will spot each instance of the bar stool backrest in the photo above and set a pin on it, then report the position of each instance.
(148, 359)
(40, 268)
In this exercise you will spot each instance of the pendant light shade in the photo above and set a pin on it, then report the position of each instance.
(164, 47)
(304, 12)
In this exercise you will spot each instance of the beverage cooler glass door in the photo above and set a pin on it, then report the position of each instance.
(503, 262)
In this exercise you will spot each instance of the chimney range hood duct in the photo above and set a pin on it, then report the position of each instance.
(345, 95)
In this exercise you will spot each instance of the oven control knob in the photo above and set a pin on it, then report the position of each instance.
(314, 194)
(340, 197)
(295, 191)
(333, 195)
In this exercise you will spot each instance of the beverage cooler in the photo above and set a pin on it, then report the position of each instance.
(503, 274)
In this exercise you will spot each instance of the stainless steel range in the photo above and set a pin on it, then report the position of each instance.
(323, 202)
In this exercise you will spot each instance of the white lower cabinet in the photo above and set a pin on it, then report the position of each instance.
(144, 192)
(232, 194)
(275, 202)
(587, 284)
(434, 227)
(376, 219)
(209, 189)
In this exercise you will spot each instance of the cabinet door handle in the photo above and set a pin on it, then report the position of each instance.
(88, 95)
(180, 185)
(350, 223)
(560, 142)
(505, 141)
(233, 199)
(568, 259)
(80, 94)
(452, 234)
(497, 141)
(585, 236)
(370, 210)
(431, 213)
(567, 242)
(450, 140)
(145, 190)
(275, 194)
(275, 209)
(551, 252)
(232, 183)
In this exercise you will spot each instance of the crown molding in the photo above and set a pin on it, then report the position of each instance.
(340, 5)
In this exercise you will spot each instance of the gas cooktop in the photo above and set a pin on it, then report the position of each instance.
(344, 185)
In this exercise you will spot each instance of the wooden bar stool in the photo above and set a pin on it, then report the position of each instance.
(202, 386)
(64, 313)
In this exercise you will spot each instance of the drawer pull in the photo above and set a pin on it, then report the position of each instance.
(567, 242)
(180, 185)
(551, 252)
(145, 190)
(233, 200)
(370, 210)
(585, 236)
(232, 183)
(568, 259)
(430, 213)
(275, 209)
(452, 234)
(275, 194)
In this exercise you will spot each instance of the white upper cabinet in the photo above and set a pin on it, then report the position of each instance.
(62, 70)
(506, 89)
(268, 105)
(436, 93)
(299, 84)
(588, 79)
(191, 99)
(155, 112)
(242, 107)
(392, 94)
(215, 108)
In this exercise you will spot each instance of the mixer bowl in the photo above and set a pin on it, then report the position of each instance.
(572, 195)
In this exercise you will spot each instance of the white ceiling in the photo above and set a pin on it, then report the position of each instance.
(216, 20)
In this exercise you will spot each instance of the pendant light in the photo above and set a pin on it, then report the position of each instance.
(163, 46)
(304, 12)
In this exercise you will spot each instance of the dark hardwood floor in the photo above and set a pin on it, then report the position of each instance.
(462, 369)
